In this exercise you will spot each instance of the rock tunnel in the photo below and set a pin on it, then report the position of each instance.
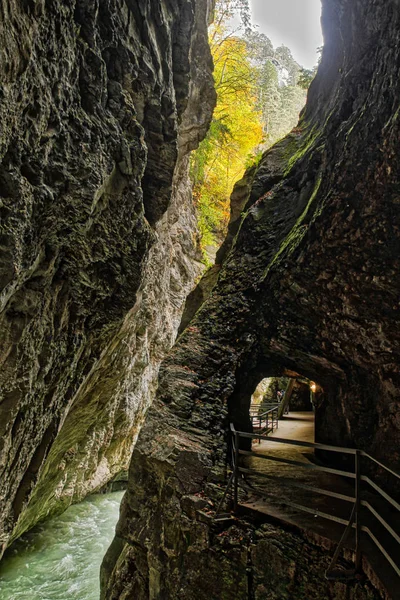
(98, 256)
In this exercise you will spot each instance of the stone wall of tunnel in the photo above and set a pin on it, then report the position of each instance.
(308, 282)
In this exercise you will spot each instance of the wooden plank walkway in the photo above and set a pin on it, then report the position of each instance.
(267, 495)
(272, 489)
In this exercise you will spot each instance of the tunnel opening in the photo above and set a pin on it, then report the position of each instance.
(268, 393)
(284, 406)
(296, 403)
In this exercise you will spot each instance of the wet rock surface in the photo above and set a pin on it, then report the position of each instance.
(287, 566)
(308, 285)
(100, 103)
(240, 561)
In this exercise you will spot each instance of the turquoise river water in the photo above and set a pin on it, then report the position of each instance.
(60, 559)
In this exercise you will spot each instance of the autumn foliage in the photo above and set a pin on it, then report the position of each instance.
(258, 101)
(235, 133)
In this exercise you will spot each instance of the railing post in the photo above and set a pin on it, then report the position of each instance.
(357, 459)
(236, 473)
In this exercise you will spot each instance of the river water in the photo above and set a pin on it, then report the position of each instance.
(60, 559)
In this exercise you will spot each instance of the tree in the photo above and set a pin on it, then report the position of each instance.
(269, 99)
(224, 13)
(259, 47)
(279, 98)
(286, 61)
(258, 102)
(307, 75)
(235, 132)
(305, 78)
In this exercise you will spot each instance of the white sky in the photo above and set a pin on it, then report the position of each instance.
(294, 23)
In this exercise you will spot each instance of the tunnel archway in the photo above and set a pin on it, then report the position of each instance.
(284, 386)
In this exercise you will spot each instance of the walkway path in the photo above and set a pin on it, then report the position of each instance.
(268, 493)
(295, 426)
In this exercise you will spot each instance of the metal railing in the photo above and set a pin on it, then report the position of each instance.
(356, 520)
(267, 420)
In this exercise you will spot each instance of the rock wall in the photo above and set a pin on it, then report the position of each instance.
(100, 103)
(240, 562)
(309, 285)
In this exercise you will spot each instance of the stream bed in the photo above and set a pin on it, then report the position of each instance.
(60, 559)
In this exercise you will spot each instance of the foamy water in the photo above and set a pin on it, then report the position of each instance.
(60, 559)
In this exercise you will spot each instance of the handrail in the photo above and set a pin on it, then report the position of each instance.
(378, 489)
(267, 412)
(317, 446)
(266, 421)
(381, 520)
(302, 486)
(354, 521)
(381, 548)
(297, 463)
(266, 405)
(344, 537)
(363, 453)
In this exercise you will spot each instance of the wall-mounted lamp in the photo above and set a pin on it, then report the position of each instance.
(313, 387)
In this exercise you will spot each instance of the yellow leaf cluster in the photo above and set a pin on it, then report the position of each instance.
(236, 110)
(235, 133)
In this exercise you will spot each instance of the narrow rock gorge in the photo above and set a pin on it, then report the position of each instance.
(307, 283)
(100, 104)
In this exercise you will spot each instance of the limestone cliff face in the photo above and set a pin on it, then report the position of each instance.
(100, 103)
(309, 284)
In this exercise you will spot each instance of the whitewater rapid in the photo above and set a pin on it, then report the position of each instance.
(60, 559)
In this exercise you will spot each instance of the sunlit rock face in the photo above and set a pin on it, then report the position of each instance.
(309, 285)
(100, 103)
